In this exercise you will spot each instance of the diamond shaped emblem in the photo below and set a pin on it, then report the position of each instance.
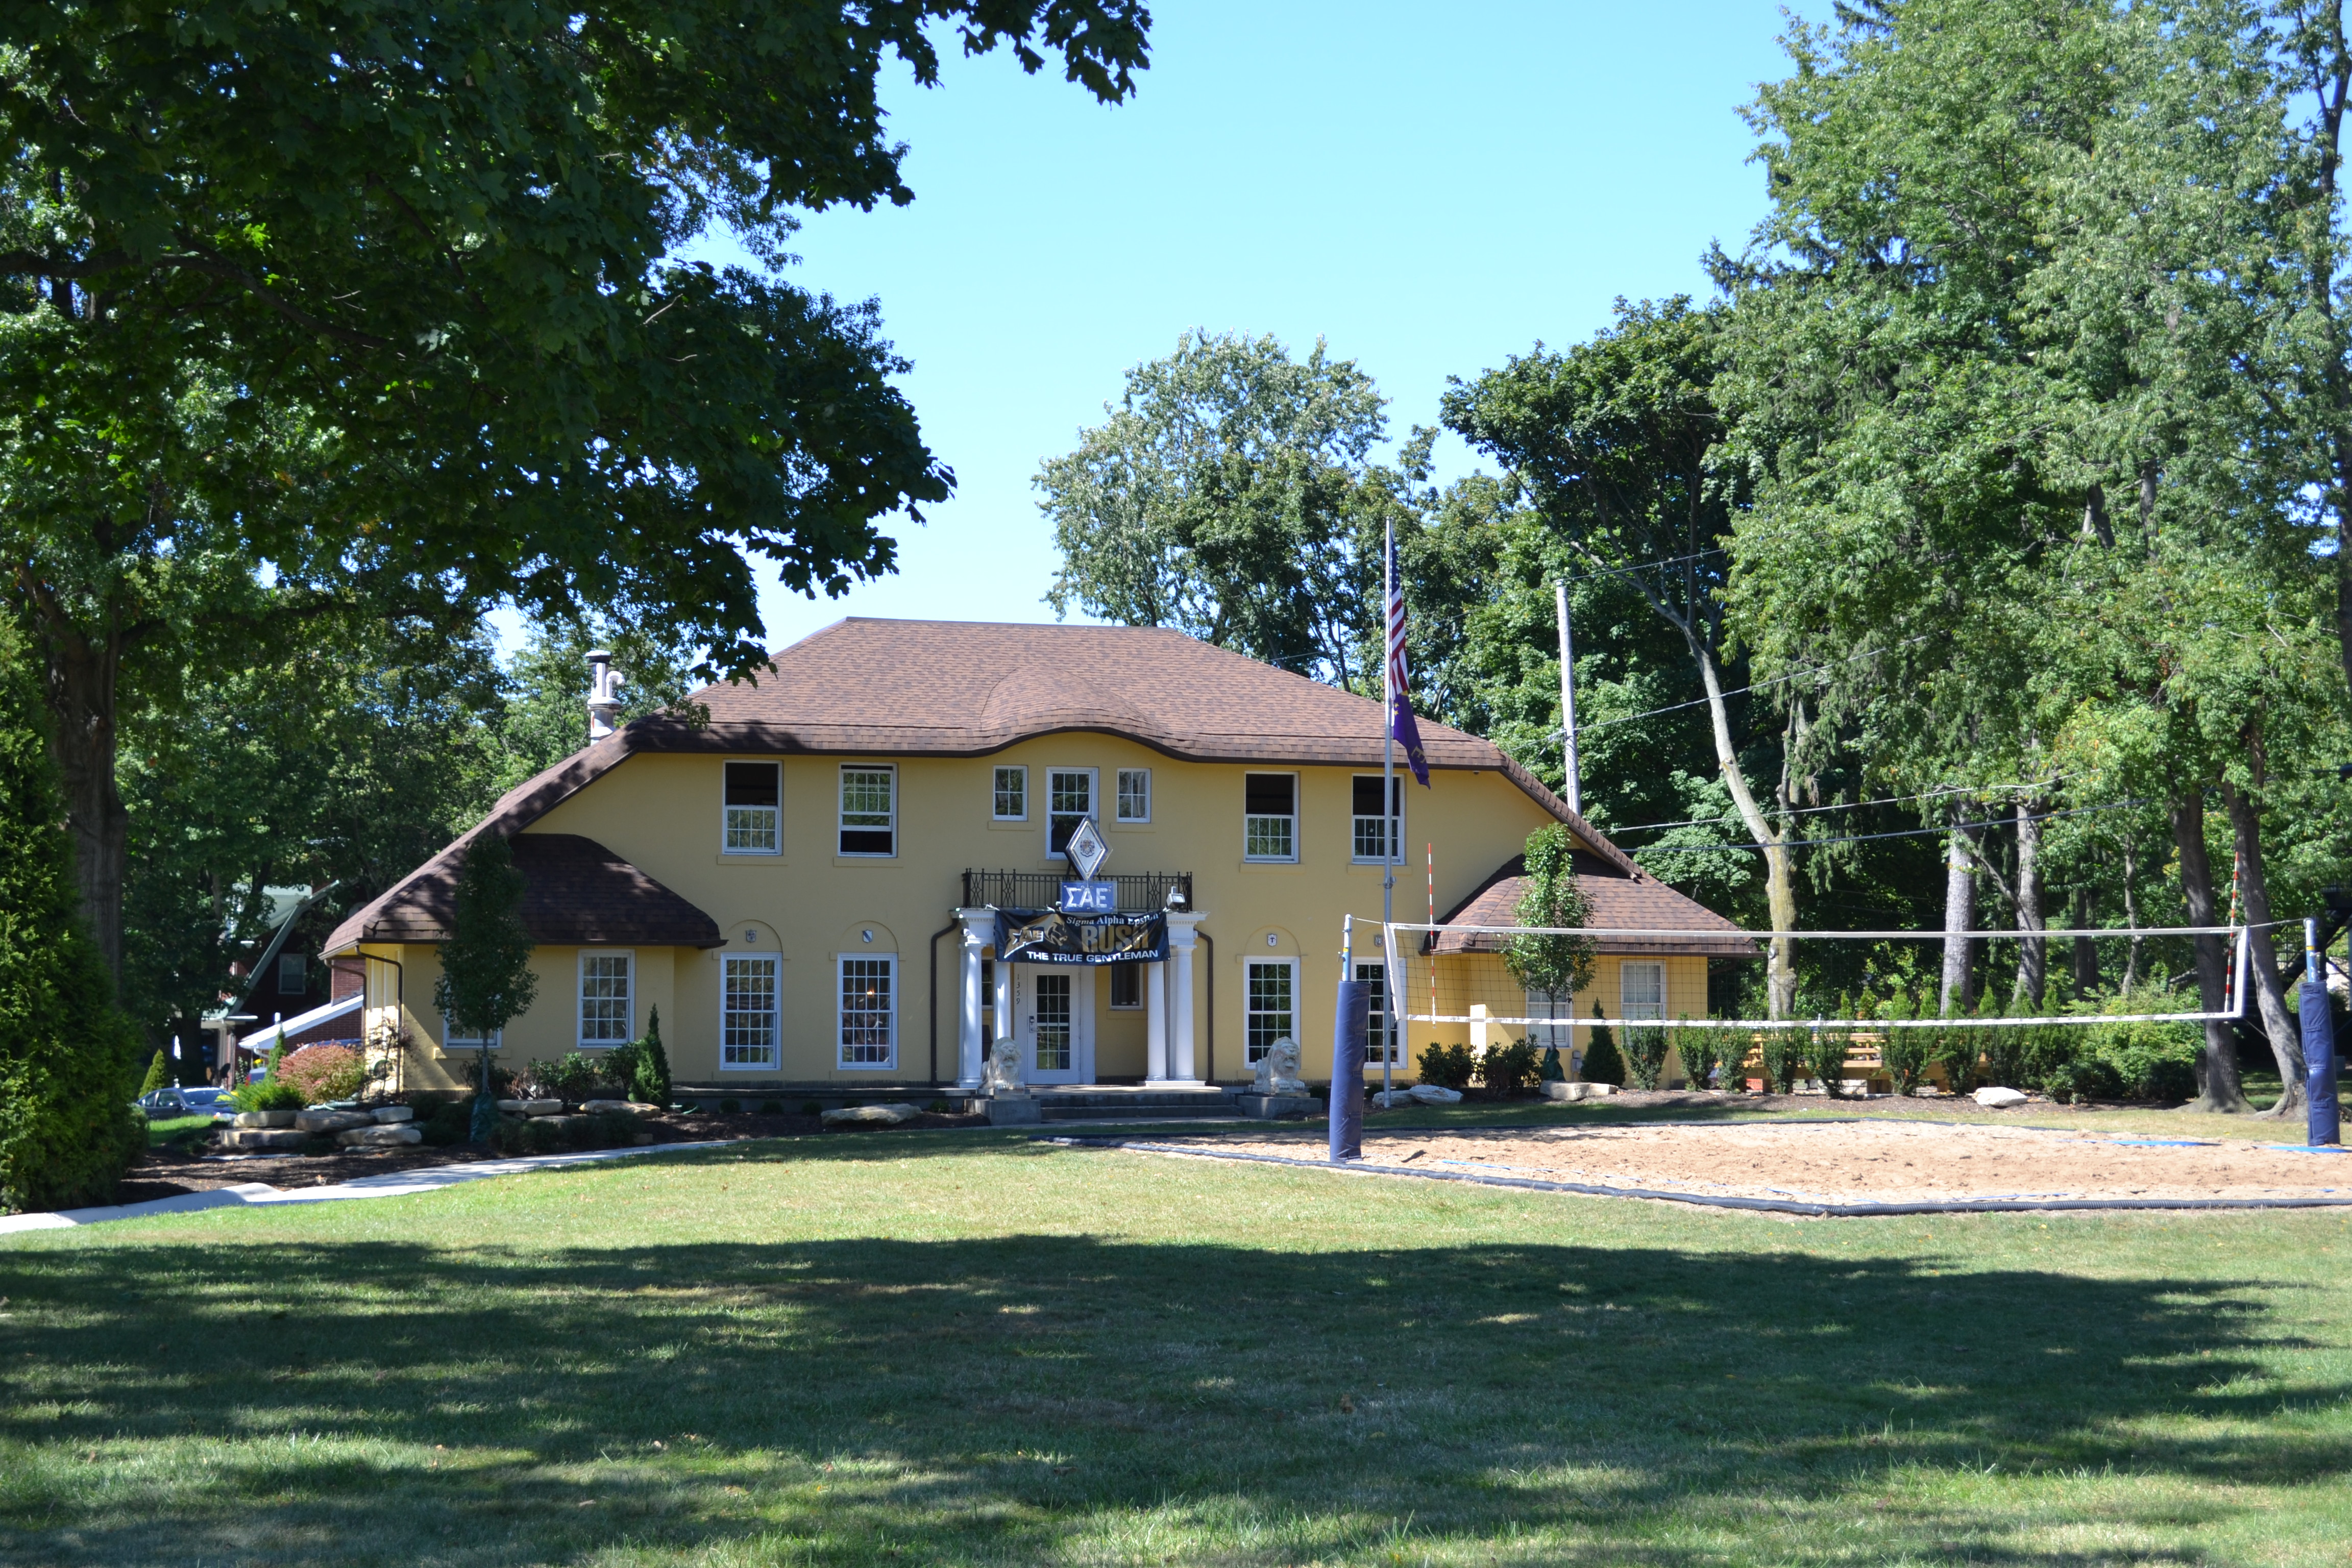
(1087, 849)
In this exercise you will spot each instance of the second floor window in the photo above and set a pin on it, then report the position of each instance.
(1135, 795)
(1270, 816)
(755, 800)
(1070, 800)
(293, 975)
(1378, 834)
(869, 811)
(1011, 794)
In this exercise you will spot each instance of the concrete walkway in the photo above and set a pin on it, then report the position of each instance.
(391, 1185)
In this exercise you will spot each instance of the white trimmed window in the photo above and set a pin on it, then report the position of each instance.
(1070, 800)
(293, 975)
(1272, 1000)
(607, 999)
(754, 808)
(1641, 989)
(1012, 804)
(1269, 816)
(1126, 986)
(868, 1010)
(869, 809)
(1543, 1004)
(1376, 1026)
(1378, 837)
(749, 988)
(1135, 795)
(455, 1039)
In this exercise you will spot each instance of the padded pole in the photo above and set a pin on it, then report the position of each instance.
(2325, 1124)
(1350, 1018)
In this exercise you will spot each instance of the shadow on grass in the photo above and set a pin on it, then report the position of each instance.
(1001, 1397)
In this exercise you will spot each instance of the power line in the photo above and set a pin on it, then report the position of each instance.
(1640, 566)
(1759, 686)
(1839, 805)
(1867, 837)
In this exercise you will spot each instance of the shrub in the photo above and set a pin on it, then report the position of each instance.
(1602, 1062)
(1825, 1051)
(730, 1105)
(1508, 1070)
(575, 1078)
(269, 1094)
(158, 1075)
(1447, 1067)
(1700, 1046)
(1784, 1060)
(324, 1072)
(1904, 1054)
(811, 1107)
(2004, 1046)
(1955, 1048)
(450, 1123)
(1731, 1070)
(1645, 1054)
(771, 1108)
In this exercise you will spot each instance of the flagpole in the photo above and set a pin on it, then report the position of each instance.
(1393, 834)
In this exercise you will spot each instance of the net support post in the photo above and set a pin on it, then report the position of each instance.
(2323, 1123)
(1350, 1019)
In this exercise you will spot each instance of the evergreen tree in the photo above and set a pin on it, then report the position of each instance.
(68, 1058)
(486, 978)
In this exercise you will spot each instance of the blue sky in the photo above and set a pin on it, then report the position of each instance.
(1430, 188)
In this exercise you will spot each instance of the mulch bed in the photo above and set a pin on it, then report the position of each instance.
(169, 1171)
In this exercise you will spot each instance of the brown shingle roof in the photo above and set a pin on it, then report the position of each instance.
(576, 892)
(1636, 902)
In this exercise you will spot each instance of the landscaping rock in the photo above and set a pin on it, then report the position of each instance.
(379, 1137)
(263, 1137)
(1389, 1099)
(330, 1120)
(1430, 1093)
(263, 1118)
(386, 1114)
(626, 1106)
(874, 1115)
(531, 1107)
(1994, 1099)
(1575, 1091)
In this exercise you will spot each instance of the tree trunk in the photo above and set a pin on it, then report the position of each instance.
(1780, 884)
(2131, 917)
(2286, 1042)
(2217, 1067)
(81, 689)
(1960, 915)
(2087, 949)
(2032, 952)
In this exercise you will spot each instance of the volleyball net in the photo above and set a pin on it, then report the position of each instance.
(1465, 974)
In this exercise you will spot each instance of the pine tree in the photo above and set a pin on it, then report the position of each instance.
(1602, 1062)
(68, 1058)
(158, 1075)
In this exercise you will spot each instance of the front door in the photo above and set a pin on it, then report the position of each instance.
(1057, 1008)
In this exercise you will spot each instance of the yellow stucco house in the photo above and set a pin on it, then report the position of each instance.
(811, 885)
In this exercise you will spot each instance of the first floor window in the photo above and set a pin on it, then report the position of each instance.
(1135, 795)
(869, 1013)
(1272, 1013)
(755, 801)
(454, 1039)
(1378, 836)
(605, 1012)
(1642, 990)
(1376, 1028)
(869, 811)
(746, 1008)
(1011, 794)
(1545, 1005)
(1270, 816)
(1127, 986)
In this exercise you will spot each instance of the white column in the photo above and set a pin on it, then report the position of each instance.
(1155, 1023)
(971, 1044)
(1181, 939)
(1004, 1002)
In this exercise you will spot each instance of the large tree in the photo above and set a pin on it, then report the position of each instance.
(384, 296)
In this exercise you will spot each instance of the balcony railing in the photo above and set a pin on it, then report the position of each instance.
(1140, 892)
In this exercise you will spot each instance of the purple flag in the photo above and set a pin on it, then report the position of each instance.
(1400, 721)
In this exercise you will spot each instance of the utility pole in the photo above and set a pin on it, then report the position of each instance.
(1567, 701)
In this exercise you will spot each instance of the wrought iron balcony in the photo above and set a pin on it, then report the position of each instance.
(1141, 892)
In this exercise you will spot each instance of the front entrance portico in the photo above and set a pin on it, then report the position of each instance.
(1012, 1007)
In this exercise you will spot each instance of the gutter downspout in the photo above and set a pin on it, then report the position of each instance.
(944, 930)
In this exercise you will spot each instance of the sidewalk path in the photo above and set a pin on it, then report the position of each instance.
(391, 1185)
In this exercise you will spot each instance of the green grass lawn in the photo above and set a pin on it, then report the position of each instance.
(164, 1129)
(969, 1348)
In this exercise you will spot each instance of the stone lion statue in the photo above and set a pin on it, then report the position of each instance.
(1278, 1070)
(1003, 1068)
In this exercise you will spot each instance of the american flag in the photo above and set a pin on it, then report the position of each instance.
(1400, 721)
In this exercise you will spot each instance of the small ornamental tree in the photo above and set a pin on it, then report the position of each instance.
(486, 978)
(1557, 966)
(158, 1075)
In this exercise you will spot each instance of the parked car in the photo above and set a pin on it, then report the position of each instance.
(200, 1101)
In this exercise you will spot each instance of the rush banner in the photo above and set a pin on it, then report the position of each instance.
(1047, 936)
